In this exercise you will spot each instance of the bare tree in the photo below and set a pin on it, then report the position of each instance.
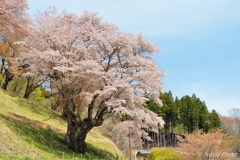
(235, 113)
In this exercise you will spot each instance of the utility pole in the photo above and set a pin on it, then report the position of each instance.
(130, 151)
(149, 137)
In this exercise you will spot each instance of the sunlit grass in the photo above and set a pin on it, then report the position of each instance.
(30, 130)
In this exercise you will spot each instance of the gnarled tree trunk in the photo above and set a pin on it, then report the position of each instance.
(78, 128)
(76, 135)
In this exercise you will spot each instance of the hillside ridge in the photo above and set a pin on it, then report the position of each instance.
(30, 130)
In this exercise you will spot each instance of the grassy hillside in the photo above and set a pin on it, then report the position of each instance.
(29, 130)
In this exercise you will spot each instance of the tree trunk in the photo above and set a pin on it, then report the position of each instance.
(76, 135)
(28, 91)
(78, 129)
(56, 104)
(29, 88)
(8, 78)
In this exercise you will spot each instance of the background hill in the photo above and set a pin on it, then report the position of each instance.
(29, 130)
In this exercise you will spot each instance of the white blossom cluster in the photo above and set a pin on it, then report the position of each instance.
(91, 60)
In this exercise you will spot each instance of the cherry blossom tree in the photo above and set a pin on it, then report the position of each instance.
(13, 27)
(96, 69)
(13, 17)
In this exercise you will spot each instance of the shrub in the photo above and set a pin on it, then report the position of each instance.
(40, 94)
(166, 154)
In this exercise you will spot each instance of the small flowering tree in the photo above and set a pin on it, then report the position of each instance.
(120, 132)
(213, 145)
(95, 68)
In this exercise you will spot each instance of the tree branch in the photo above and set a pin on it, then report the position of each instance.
(91, 106)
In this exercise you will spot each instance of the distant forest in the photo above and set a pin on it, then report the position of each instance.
(184, 115)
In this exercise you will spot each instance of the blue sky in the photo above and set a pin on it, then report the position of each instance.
(199, 41)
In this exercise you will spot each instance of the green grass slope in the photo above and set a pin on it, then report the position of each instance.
(29, 130)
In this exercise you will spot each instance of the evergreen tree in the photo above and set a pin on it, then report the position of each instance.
(203, 116)
(185, 113)
(214, 120)
(169, 113)
(178, 105)
(152, 106)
